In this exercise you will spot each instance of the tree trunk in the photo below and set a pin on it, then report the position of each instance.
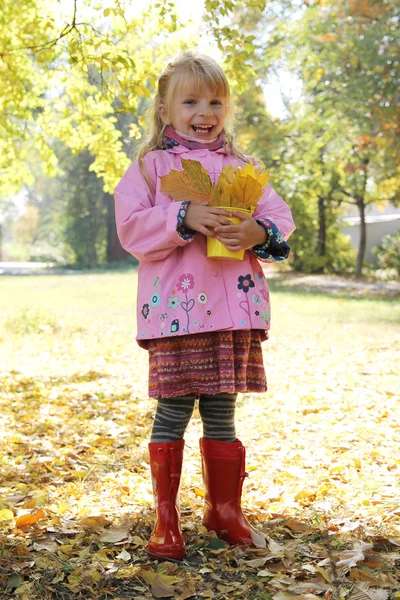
(361, 205)
(321, 227)
(363, 239)
(115, 251)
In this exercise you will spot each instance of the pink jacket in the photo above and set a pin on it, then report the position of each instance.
(180, 290)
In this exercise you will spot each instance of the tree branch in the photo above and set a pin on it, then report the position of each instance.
(67, 29)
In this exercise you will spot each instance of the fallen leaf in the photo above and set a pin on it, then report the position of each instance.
(362, 591)
(256, 562)
(199, 492)
(116, 535)
(350, 558)
(124, 555)
(30, 519)
(265, 573)
(274, 547)
(297, 526)
(258, 538)
(225, 589)
(159, 589)
(94, 523)
(49, 545)
(6, 515)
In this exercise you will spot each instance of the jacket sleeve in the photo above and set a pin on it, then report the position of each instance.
(275, 216)
(146, 231)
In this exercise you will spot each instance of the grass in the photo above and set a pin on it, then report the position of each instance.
(323, 446)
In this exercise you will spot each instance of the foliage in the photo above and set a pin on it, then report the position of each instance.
(347, 58)
(85, 216)
(72, 81)
(388, 253)
(85, 77)
(77, 508)
(237, 187)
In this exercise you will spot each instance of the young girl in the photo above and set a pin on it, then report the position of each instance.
(202, 320)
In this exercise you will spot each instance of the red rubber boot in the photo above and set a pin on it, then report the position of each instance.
(223, 465)
(166, 466)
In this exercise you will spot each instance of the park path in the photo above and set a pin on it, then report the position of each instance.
(329, 284)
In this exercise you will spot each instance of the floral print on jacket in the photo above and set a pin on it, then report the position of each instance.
(180, 290)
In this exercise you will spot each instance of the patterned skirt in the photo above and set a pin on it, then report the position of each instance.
(206, 363)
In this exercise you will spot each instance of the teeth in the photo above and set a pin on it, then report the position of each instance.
(202, 127)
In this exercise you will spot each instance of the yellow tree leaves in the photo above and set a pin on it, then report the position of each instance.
(237, 187)
(192, 183)
(322, 452)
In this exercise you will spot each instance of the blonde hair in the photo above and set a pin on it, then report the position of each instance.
(202, 71)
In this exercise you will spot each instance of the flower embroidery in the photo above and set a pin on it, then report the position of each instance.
(245, 283)
(155, 299)
(209, 312)
(257, 299)
(145, 310)
(185, 282)
(202, 298)
(264, 293)
(173, 302)
(257, 313)
(265, 316)
(156, 282)
(260, 276)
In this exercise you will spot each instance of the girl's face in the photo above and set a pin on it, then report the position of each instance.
(199, 114)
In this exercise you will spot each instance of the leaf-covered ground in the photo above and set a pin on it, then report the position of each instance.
(323, 452)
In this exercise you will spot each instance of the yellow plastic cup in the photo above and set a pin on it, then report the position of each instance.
(216, 249)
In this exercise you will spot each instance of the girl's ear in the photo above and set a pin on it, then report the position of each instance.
(163, 114)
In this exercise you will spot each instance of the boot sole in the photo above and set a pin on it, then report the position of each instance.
(176, 558)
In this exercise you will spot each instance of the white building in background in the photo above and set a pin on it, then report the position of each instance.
(379, 223)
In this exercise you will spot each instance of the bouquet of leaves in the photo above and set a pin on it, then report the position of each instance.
(237, 187)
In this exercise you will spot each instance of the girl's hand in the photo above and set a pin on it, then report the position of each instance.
(200, 216)
(244, 235)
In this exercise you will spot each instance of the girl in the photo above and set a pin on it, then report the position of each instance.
(202, 320)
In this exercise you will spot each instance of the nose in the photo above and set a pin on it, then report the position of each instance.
(205, 110)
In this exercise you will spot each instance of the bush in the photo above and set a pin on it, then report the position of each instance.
(388, 253)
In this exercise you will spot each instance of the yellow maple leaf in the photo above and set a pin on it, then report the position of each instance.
(246, 191)
(221, 192)
(238, 187)
(192, 183)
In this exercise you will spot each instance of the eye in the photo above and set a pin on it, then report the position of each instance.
(217, 102)
(190, 102)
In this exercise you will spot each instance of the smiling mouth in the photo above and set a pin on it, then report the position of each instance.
(202, 128)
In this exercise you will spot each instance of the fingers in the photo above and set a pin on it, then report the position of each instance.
(211, 222)
(220, 211)
(205, 231)
(227, 228)
(229, 242)
(240, 215)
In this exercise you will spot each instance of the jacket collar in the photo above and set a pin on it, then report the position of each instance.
(176, 144)
(200, 152)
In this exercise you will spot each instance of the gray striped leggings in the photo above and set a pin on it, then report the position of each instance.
(217, 414)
